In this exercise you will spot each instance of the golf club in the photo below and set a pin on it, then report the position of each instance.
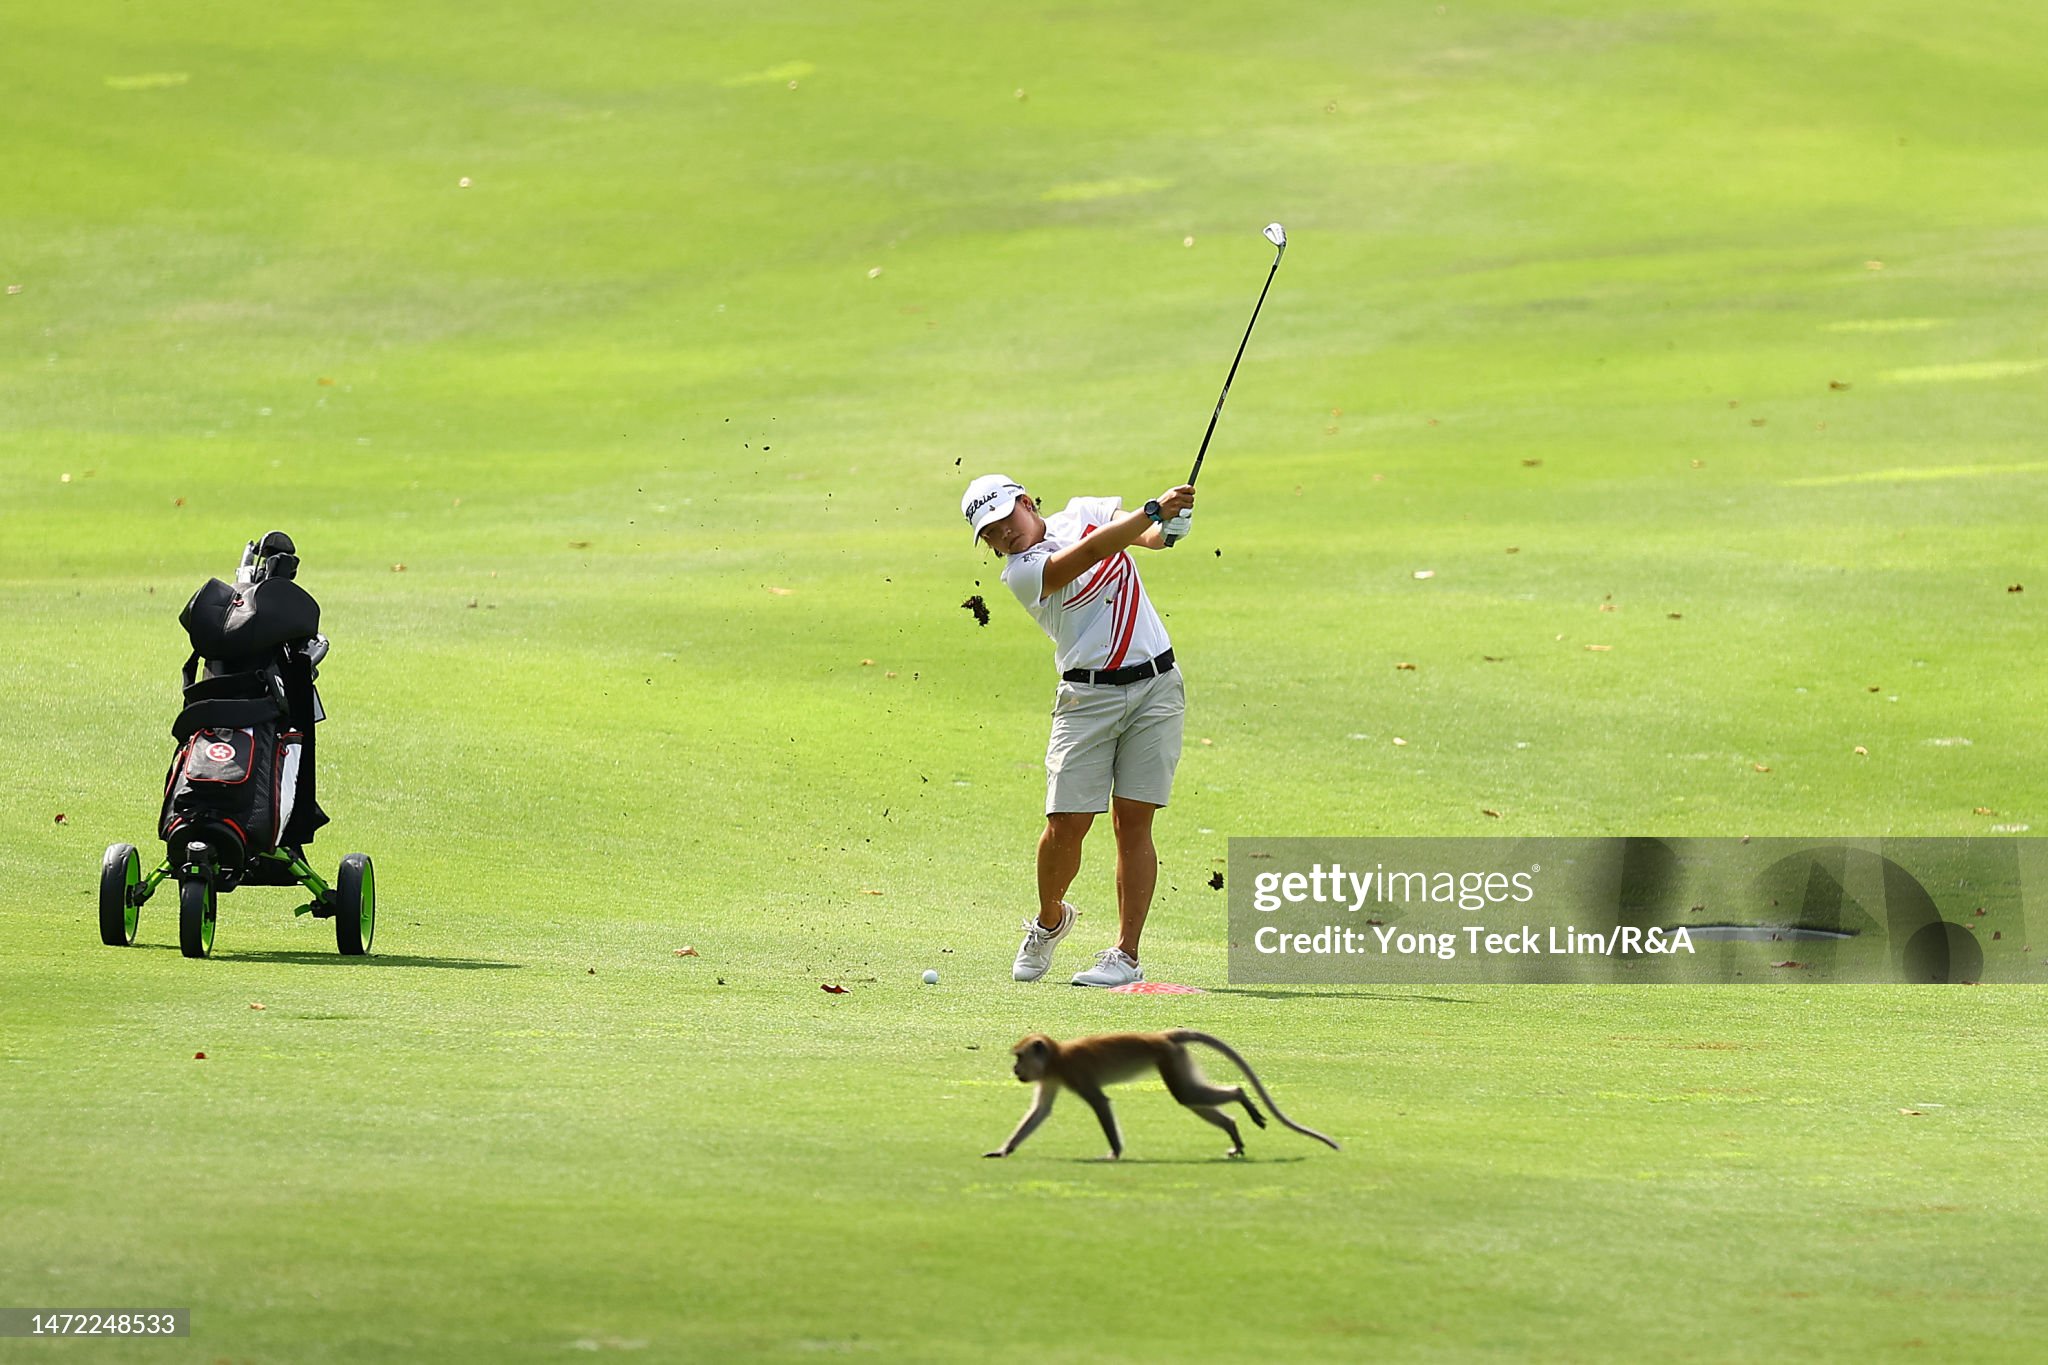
(1277, 235)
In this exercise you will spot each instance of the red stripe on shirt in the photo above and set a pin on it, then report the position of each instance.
(1112, 572)
(1130, 615)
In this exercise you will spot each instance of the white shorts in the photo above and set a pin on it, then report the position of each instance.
(1113, 741)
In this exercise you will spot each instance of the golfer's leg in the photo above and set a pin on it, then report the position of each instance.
(1059, 861)
(1147, 752)
(1137, 870)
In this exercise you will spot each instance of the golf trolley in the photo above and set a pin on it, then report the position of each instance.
(239, 803)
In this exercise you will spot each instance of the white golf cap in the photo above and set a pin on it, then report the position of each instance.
(988, 499)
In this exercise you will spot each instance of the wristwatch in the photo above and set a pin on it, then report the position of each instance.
(1152, 511)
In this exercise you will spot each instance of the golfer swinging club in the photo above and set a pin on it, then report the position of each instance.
(1116, 723)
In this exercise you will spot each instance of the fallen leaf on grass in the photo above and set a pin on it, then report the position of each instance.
(1674, 616)
(2016, 588)
(1398, 668)
(1838, 384)
(579, 544)
(257, 1005)
(1983, 810)
(1494, 813)
(1761, 767)
(783, 592)
(1861, 752)
(1531, 464)
(688, 952)
(1788, 962)
(1913, 1113)
(1878, 687)
(198, 1056)
(869, 891)
(1609, 606)
(1601, 649)
(833, 990)
(398, 568)
(62, 818)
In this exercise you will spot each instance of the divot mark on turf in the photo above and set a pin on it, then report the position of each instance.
(774, 75)
(1976, 369)
(1923, 474)
(149, 80)
(1884, 325)
(1082, 191)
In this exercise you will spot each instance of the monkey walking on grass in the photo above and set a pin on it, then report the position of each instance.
(1086, 1065)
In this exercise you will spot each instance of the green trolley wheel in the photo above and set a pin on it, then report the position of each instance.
(120, 876)
(196, 905)
(355, 905)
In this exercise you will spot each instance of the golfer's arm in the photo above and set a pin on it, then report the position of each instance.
(1064, 566)
(1153, 539)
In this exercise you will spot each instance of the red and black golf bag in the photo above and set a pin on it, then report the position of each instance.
(242, 780)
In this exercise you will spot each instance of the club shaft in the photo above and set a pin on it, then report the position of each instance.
(1203, 452)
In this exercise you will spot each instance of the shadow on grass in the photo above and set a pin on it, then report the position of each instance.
(1310, 993)
(334, 959)
(1185, 1161)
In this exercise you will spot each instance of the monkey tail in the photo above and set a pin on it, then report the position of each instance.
(1188, 1035)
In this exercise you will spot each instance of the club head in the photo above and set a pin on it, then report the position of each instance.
(1277, 235)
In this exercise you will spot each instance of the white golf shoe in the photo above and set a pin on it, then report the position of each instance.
(1112, 968)
(1034, 954)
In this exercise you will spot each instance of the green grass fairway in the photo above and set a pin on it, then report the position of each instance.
(618, 369)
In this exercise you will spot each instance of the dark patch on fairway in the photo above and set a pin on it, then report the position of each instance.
(978, 607)
(1246, 1160)
(1215, 881)
(332, 959)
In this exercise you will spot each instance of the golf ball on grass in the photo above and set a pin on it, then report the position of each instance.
(931, 978)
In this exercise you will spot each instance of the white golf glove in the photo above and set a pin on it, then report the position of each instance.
(1177, 528)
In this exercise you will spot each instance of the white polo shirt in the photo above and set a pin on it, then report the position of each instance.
(1103, 619)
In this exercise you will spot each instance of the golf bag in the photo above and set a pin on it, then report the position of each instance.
(242, 779)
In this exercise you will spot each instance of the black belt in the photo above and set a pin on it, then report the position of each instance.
(1121, 677)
